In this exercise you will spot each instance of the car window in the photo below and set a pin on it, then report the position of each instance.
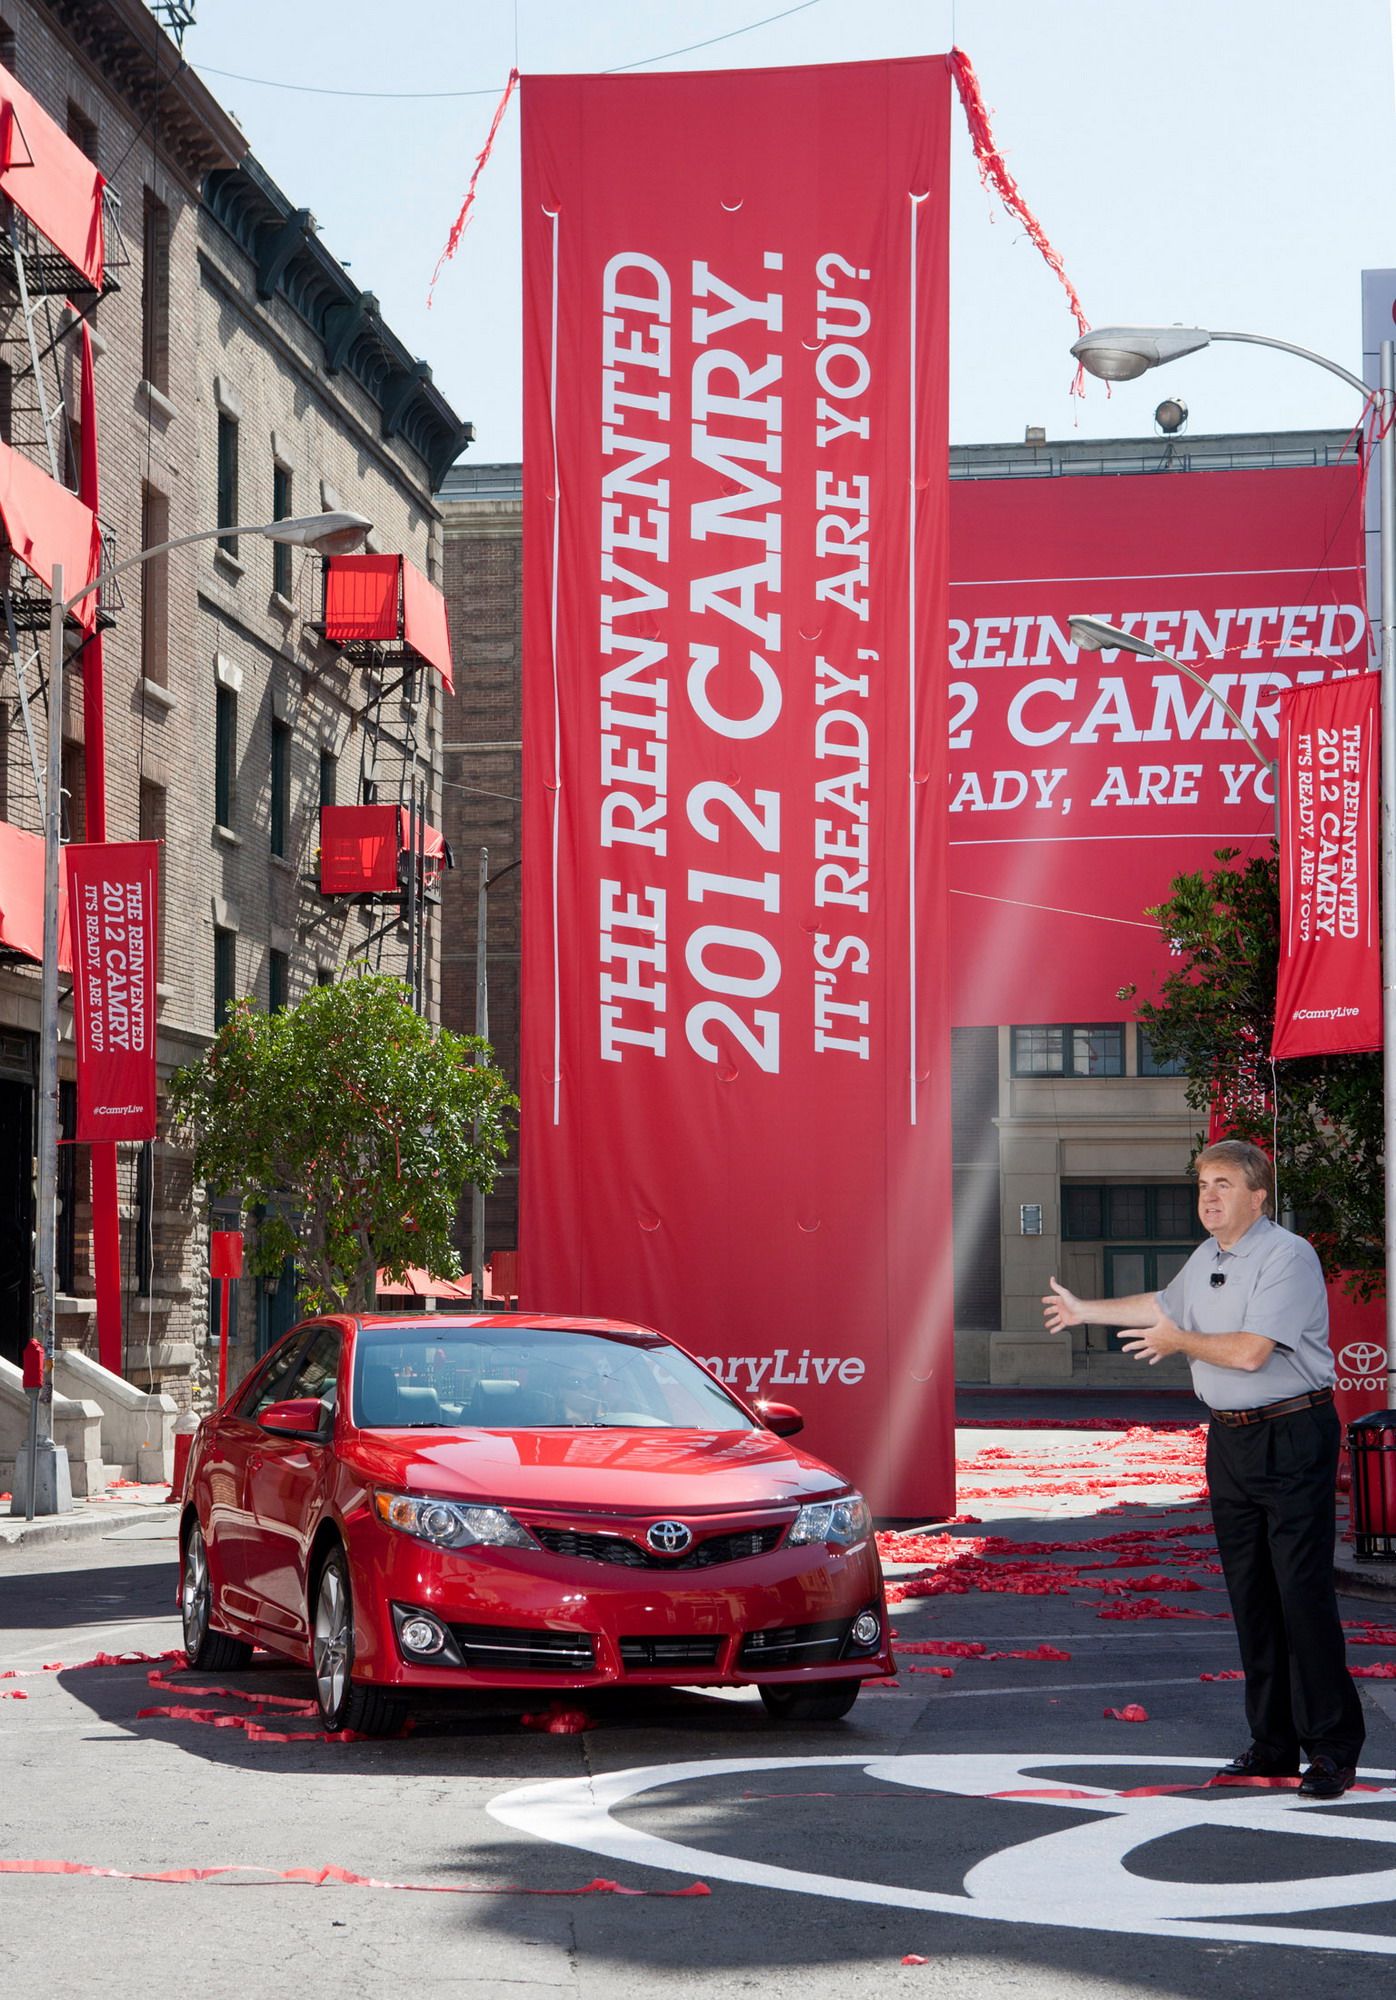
(267, 1383)
(315, 1372)
(533, 1378)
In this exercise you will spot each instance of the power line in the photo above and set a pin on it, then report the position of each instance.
(418, 96)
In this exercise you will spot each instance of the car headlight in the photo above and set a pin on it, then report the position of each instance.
(841, 1522)
(450, 1524)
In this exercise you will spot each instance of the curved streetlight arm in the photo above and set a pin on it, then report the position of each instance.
(1200, 680)
(298, 532)
(1093, 635)
(1364, 389)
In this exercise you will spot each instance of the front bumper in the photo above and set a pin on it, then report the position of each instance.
(529, 1618)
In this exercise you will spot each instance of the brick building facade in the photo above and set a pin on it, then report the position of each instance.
(240, 376)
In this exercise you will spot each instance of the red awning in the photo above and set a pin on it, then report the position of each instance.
(420, 1284)
(424, 624)
(45, 524)
(22, 897)
(50, 180)
(361, 599)
(360, 845)
(387, 600)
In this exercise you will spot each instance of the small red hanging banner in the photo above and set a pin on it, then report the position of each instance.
(1328, 998)
(112, 894)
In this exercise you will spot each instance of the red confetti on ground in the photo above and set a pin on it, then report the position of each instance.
(1226, 1674)
(1380, 1670)
(945, 1673)
(915, 1958)
(558, 1720)
(14, 1694)
(1131, 1712)
(319, 1878)
(1149, 1607)
(1084, 1424)
(1371, 1635)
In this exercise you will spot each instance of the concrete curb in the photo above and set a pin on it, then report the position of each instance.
(86, 1521)
(1373, 1580)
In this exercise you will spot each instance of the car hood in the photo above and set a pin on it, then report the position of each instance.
(597, 1471)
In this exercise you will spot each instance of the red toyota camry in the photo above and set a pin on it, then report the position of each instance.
(495, 1501)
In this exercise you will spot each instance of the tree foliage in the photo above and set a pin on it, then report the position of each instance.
(1216, 1015)
(350, 1127)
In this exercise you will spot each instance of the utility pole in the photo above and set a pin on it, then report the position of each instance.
(482, 1029)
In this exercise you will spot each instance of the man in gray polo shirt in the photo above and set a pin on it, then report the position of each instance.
(1250, 1312)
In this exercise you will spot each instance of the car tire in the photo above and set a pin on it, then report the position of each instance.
(343, 1702)
(204, 1648)
(829, 1702)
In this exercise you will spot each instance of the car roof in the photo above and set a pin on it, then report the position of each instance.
(440, 1322)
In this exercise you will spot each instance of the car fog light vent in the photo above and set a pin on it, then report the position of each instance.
(422, 1635)
(867, 1629)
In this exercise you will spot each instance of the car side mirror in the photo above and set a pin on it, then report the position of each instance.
(298, 1416)
(782, 1418)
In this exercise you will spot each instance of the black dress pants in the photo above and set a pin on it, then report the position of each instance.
(1272, 1486)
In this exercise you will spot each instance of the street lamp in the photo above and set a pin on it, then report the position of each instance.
(1121, 354)
(1093, 635)
(330, 533)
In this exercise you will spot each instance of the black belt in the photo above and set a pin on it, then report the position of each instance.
(1312, 1401)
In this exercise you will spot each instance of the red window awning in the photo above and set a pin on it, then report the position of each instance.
(22, 898)
(386, 601)
(360, 846)
(45, 524)
(51, 180)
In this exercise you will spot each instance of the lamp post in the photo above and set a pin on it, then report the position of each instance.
(45, 1479)
(484, 883)
(1122, 354)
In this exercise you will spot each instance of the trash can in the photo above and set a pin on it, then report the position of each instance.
(1372, 1449)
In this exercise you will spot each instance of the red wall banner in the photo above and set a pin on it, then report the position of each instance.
(1328, 994)
(1082, 783)
(735, 1054)
(112, 898)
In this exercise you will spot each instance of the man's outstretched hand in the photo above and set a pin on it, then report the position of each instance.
(1061, 1308)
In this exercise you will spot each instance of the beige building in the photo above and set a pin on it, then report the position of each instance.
(241, 376)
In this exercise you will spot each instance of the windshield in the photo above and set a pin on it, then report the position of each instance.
(532, 1378)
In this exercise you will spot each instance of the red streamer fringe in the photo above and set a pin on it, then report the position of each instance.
(318, 1878)
(459, 226)
(993, 171)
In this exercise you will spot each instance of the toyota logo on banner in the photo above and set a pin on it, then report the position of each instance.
(669, 1538)
(1362, 1357)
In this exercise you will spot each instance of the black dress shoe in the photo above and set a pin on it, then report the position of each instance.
(1254, 1762)
(1326, 1778)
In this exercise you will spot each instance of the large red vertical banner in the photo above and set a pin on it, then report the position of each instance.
(735, 1097)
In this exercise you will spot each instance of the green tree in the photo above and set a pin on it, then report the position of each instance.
(352, 1126)
(1216, 1015)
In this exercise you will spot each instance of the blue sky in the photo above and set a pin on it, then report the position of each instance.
(1229, 163)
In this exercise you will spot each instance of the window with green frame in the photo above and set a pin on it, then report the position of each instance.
(1130, 1213)
(1069, 1049)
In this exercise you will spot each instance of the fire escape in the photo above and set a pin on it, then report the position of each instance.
(61, 250)
(388, 621)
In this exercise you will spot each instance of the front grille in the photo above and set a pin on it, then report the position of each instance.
(509, 1648)
(794, 1645)
(633, 1555)
(641, 1653)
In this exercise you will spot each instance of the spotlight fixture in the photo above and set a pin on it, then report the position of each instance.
(1171, 416)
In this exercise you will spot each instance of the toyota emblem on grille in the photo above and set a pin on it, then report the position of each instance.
(669, 1538)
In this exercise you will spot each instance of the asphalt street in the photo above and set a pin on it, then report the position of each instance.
(984, 1815)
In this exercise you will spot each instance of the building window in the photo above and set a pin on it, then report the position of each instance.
(155, 294)
(227, 480)
(280, 785)
(155, 588)
(329, 777)
(281, 511)
(278, 981)
(8, 57)
(225, 753)
(1096, 1049)
(7, 402)
(1129, 1213)
(82, 130)
(225, 974)
(145, 1219)
(1152, 1065)
(74, 791)
(152, 827)
(72, 453)
(324, 975)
